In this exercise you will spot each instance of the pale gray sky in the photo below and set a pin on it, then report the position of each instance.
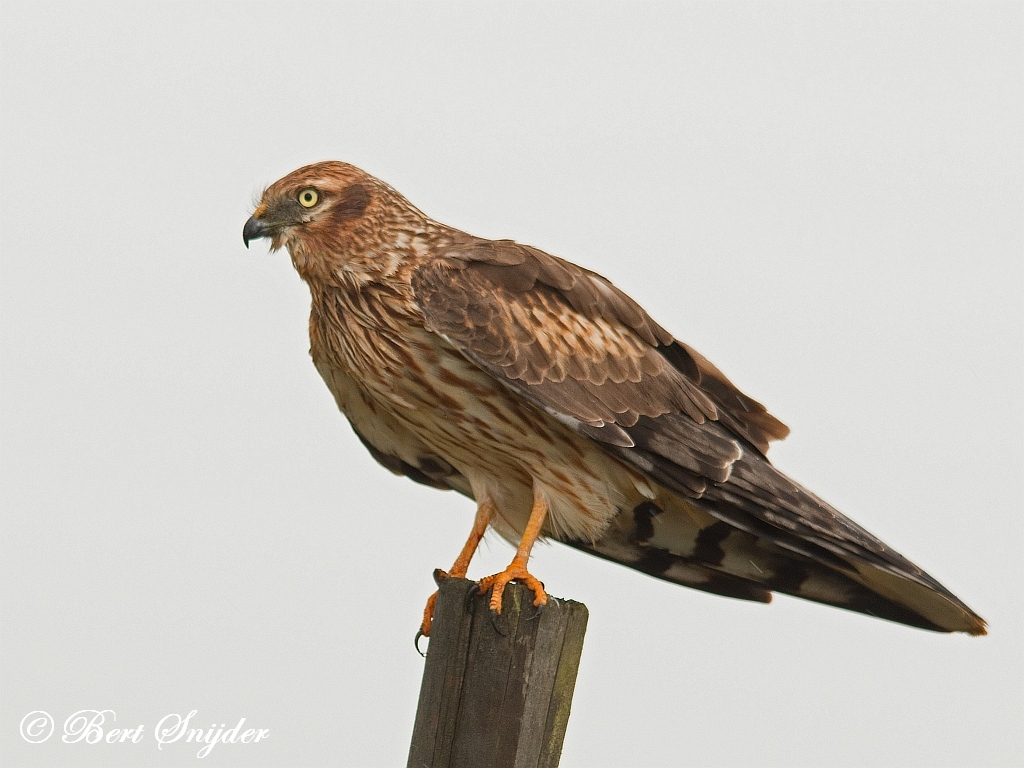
(824, 199)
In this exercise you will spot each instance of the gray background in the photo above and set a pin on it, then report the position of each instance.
(824, 200)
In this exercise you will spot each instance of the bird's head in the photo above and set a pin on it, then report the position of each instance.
(330, 214)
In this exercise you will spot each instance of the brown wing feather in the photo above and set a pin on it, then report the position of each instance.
(555, 285)
(541, 319)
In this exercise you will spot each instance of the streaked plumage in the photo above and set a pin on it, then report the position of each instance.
(524, 381)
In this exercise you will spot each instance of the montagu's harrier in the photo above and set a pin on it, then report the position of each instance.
(551, 398)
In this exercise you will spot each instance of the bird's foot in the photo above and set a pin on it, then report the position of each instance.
(495, 583)
(515, 572)
(428, 611)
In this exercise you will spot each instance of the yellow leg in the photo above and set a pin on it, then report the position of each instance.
(517, 568)
(484, 513)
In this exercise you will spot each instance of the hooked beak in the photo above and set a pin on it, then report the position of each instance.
(254, 229)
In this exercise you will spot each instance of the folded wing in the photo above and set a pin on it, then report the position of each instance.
(569, 342)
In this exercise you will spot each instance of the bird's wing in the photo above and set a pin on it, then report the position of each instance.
(543, 321)
(569, 342)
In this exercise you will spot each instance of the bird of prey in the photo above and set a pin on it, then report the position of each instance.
(548, 396)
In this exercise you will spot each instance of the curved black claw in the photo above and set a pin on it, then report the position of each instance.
(471, 593)
(416, 643)
(494, 623)
(542, 606)
(538, 612)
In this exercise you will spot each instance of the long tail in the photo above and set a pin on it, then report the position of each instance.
(760, 532)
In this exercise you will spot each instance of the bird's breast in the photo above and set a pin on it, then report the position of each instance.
(401, 373)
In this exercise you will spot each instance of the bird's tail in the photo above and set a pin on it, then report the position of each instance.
(672, 539)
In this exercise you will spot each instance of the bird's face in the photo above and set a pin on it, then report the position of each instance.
(320, 202)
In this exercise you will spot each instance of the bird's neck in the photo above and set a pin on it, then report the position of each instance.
(363, 258)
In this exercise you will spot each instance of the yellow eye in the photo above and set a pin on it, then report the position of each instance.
(309, 197)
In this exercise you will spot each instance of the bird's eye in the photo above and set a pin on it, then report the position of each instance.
(309, 197)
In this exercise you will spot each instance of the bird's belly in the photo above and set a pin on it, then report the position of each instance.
(506, 449)
(378, 427)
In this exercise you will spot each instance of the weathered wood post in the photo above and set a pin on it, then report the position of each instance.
(497, 695)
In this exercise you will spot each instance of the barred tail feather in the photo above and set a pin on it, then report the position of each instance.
(677, 541)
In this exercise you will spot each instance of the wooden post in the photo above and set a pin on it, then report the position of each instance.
(497, 696)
